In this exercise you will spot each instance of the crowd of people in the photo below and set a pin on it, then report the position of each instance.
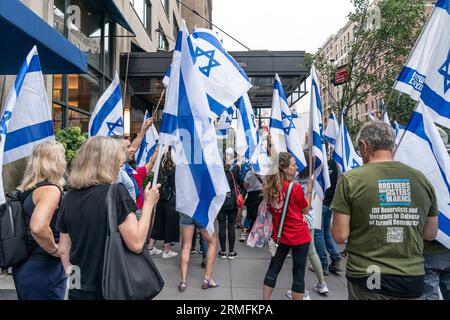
(70, 229)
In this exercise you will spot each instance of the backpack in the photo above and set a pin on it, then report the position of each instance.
(165, 191)
(14, 239)
(13, 235)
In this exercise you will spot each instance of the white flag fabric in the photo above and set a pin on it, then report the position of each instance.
(224, 124)
(317, 140)
(426, 75)
(371, 115)
(224, 78)
(283, 133)
(260, 161)
(247, 135)
(398, 129)
(344, 154)
(26, 120)
(107, 117)
(385, 114)
(332, 130)
(200, 177)
(148, 144)
(422, 138)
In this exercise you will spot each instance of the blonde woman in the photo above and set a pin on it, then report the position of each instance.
(83, 217)
(41, 276)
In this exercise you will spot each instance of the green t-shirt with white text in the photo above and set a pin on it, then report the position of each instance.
(388, 204)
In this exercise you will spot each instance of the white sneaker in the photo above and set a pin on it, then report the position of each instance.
(306, 295)
(170, 254)
(321, 288)
(154, 251)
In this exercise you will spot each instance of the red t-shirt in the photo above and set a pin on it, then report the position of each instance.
(295, 231)
(139, 177)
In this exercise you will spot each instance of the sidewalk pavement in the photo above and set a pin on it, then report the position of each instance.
(239, 279)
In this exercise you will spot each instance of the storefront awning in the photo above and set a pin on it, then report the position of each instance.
(112, 12)
(21, 29)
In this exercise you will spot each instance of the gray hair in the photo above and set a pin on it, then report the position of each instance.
(377, 134)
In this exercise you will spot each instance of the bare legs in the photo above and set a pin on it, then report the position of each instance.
(187, 233)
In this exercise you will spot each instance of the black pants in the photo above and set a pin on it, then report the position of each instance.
(299, 257)
(252, 204)
(167, 222)
(223, 217)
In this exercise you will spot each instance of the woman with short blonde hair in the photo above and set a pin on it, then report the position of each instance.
(41, 276)
(97, 162)
(83, 221)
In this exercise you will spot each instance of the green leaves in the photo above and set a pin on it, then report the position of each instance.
(71, 138)
(376, 55)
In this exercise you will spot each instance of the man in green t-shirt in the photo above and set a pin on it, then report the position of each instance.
(384, 209)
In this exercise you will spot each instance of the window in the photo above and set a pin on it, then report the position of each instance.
(165, 4)
(87, 36)
(163, 45)
(74, 95)
(58, 15)
(175, 28)
(143, 9)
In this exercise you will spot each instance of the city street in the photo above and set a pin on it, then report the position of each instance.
(239, 279)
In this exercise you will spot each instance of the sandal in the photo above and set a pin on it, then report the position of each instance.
(207, 283)
(182, 286)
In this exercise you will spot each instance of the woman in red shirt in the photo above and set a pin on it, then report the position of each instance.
(295, 235)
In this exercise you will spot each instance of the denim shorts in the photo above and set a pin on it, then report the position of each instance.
(186, 221)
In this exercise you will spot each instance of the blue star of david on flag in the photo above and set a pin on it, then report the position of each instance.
(253, 120)
(113, 125)
(206, 70)
(445, 72)
(228, 120)
(290, 126)
(6, 116)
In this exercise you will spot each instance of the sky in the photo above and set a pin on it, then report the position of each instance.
(280, 25)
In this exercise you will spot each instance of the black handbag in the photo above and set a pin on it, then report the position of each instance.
(126, 275)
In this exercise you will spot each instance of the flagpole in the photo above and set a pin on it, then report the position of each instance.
(161, 151)
(159, 102)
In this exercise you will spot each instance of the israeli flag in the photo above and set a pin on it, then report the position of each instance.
(422, 137)
(247, 135)
(332, 131)
(260, 161)
(166, 78)
(148, 144)
(317, 141)
(224, 124)
(371, 115)
(26, 120)
(344, 154)
(426, 75)
(224, 78)
(283, 133)
(107, 117)
(399, 130)
(200, 178)
(385, 114)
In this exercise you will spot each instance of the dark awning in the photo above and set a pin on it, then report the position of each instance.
(21, 29)
(112, 12)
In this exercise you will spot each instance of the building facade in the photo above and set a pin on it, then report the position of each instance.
(335, 50)
(203, 8)
(86, 23)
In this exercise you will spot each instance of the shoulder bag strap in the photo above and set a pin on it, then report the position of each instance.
(283, 213)
(234, 184)
(111, 208)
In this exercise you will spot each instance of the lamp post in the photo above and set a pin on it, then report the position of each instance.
(330, 98)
